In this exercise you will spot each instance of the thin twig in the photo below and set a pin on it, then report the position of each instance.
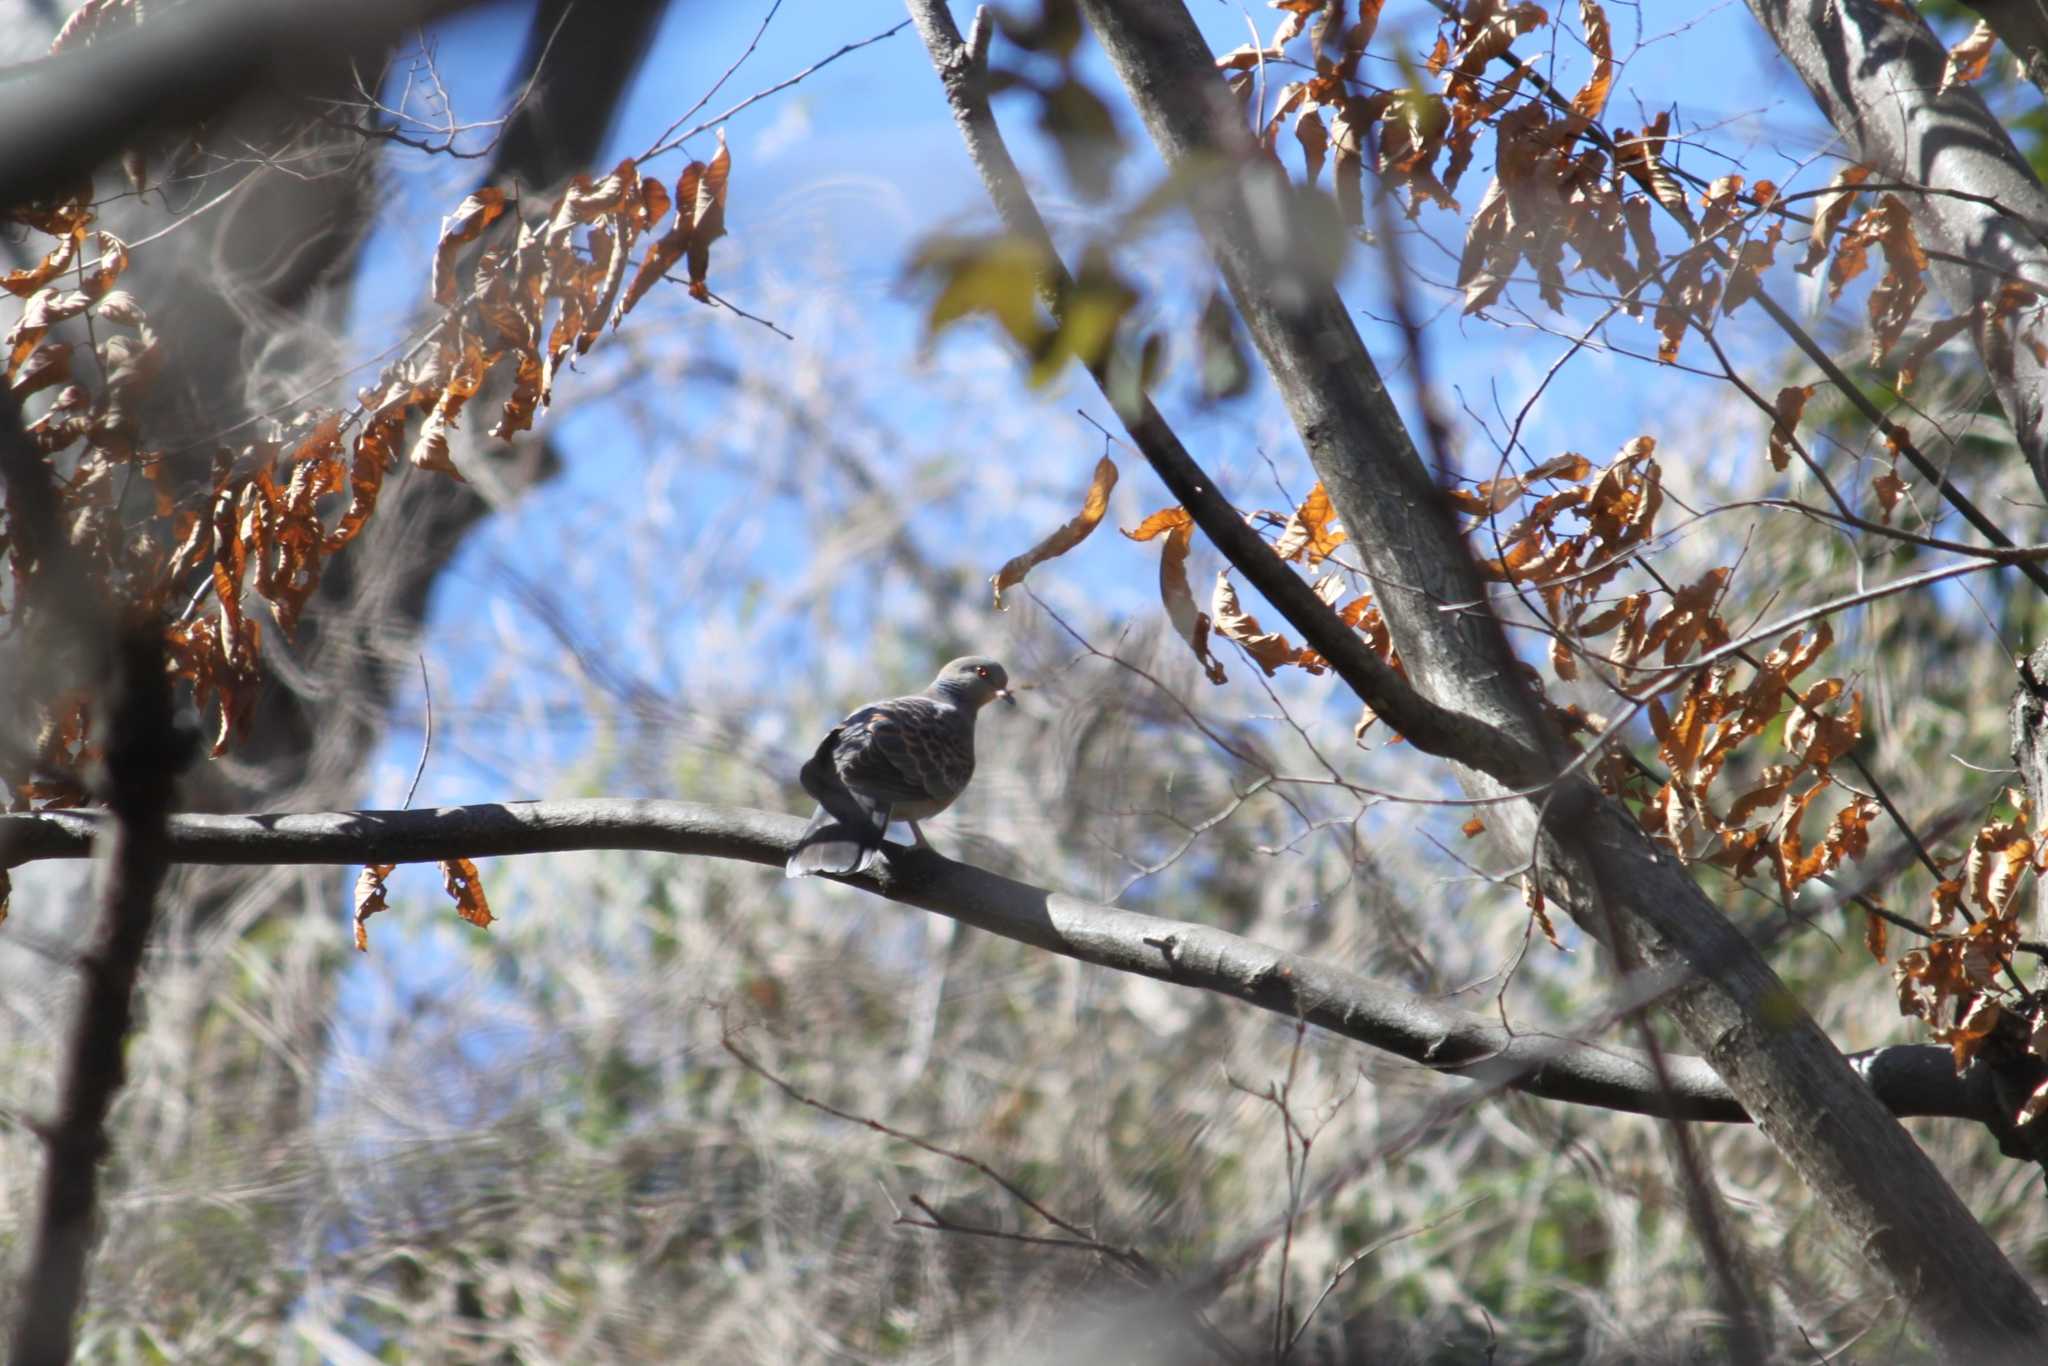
(670, 140)
(426, 741)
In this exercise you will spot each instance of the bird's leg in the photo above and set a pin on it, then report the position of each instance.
(918, 835)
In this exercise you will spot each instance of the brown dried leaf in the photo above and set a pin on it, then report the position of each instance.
(1315, 142)
(1246, 57)
(1269, 650)
(1889, 488)
(1473, 828)
(1532, 897)
(1159, 523)
(458, 229)
(1691, 621)
(1876, 935)
(707, 218)
(1970, 58)
(1967, 1038)
(1791, 403)
(1821, 738)
(26, 281)
(1828, 213)
(1998, 855)
(1592, 97)
(1189, 621)
(1562, 661)
(1310, 531)
(48, 364)
(1641, 156)
(1067, 537)
(370, 899)
(1910, 356)
(459, 876)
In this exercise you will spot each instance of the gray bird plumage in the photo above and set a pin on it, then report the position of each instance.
(904, 759)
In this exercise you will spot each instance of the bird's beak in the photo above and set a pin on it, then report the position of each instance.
(1007, 696)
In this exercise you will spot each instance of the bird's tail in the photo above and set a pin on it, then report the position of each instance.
(830, 845)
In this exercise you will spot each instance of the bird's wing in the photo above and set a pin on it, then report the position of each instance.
(820, 777)
(908, 749)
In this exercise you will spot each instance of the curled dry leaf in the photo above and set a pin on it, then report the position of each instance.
(1970, 58)
(1315, 142)
(1532, 897)
(1828, 213)
(1190, 621)
(458, 229)
(1888, 488)
(1999, 856)
(1493, 495)
(1592, 97)
(1311, 531)
(1270, 650)
(700, 221)
(1791, 403)
(459, 876)
(1820, 737)
(370, 899)
(1888, 225)
(1077, 530)
(1641, 157)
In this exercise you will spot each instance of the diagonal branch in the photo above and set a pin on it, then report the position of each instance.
(1911, 1080)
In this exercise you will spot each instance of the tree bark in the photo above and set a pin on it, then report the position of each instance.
(1592, 857)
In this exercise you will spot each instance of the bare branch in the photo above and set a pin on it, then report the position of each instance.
(1917, 1080)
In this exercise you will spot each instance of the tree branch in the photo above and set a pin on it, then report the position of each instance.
(1911, 1080)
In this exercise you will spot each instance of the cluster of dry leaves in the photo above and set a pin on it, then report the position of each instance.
(187, 538)
(1562, 181)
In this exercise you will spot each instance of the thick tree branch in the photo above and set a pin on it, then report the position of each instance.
(1886, 1194)
(1914, 1080)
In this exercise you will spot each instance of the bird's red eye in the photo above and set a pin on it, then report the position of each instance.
(981, 672)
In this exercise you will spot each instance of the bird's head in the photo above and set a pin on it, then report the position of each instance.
(973, 681)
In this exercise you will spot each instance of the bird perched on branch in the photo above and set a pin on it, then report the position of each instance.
(905, 759)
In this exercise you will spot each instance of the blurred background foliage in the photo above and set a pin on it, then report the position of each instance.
(533, 1145)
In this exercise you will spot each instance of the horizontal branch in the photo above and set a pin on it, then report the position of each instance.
(1910, 1080)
